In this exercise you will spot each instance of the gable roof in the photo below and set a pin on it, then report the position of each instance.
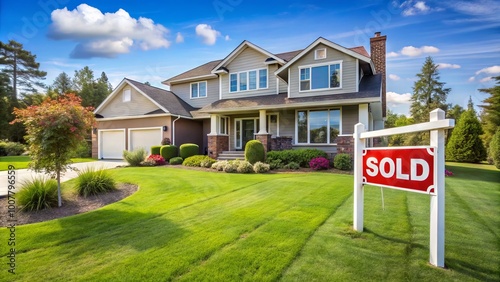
(166, 101)
(203, 71)
(356, 52)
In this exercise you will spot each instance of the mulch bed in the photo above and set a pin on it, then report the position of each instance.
(72, 205)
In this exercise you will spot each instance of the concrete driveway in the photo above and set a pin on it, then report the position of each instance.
(26, 174)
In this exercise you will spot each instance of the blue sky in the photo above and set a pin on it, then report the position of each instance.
(154, 40)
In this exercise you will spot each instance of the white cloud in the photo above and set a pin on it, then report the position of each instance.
(486, 79)
(108, 34)
(412, 8)
(478, 10)
(394, 77)
(415, 51)
(227, 38)
(472, 78)
(392, 55)
(489, 70)
(448, 66)
(208, 34)
(179, 38)
(395, 98)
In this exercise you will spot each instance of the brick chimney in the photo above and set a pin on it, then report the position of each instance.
(377, 51)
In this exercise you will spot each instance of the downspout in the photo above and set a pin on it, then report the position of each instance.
(173, 129)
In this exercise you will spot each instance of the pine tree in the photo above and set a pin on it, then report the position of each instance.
(62, 84)
(491, 111)
(21, 67)
(428, 94)
(465, 144)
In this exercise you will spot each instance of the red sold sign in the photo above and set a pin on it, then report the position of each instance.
(400, 168)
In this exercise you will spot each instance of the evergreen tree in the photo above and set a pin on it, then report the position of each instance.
(465, 144)
(5, 108)
(491, 111)
(21, 67)
(494, 149)
(454, 112)
(92, 91)
(428, 94)
(62, 84)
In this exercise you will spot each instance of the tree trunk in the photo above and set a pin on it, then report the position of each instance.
(59, 202)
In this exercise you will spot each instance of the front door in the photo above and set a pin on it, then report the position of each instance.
(248, 130)
(244, 131)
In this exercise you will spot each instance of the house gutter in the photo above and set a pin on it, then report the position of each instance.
(173, 129)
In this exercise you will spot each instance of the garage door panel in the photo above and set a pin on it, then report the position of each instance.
(145, 138)
(112, 144)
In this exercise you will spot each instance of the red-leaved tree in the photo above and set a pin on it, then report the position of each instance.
(54, 129)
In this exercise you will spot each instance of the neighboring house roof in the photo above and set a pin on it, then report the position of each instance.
(369, 91)
(166, 101)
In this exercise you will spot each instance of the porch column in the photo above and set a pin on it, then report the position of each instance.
(262, 122)
(213, 124)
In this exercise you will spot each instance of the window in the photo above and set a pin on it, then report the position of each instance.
(127, 95)
(224, 125)
(318, 126)
(199, 89)
(248, 80)
(272, 125)
(320, 77)
(320, 54)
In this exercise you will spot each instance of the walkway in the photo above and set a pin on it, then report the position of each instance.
(26, 174)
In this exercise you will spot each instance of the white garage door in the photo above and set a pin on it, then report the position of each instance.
(144, 138)
(112, 144)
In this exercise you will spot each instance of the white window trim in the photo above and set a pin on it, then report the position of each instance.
(316, 54)
(226, 127)
(320, 65)
(248, 80)
(268, 122)
(129, 95)
(309, 126)
(99, 138)
(191, 90)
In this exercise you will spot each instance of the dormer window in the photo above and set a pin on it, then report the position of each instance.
(320, 54)
(127, 95)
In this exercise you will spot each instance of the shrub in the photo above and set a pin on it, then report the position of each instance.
(155, 160)
(219, 165)
(38, 193)
(165, 141)
(292, 165)
(93, 181)
(82, 151)
(494, 149)
(319, 163)
(135, 157)
(155, 150)
(197, 160)
(301, 156)
(230, 167)
(187, 150)
(276, 164)
(148, 162)
(11, 148)
(254, 152)
(465, 144)
(244, 167)
(169, 151)
(342, 162)
(175, 161)
(260, 167)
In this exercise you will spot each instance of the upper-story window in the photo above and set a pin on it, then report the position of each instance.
(320, 77)
(199, 89)
(248, 80)
(320, 54)
(127, 95)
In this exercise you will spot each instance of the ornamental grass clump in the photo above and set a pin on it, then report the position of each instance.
(37, 194)
(135, 157)
(92, 181)
(319, 163)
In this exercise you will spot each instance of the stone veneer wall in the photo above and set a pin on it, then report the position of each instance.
(281, 143)
(217, 144)
(345, 145)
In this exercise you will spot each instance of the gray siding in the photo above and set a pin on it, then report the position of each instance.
(349, 118)
(287, 123)
(138, 105)
(283, 86)
(348, 72)
(249, 59)
(183, 90)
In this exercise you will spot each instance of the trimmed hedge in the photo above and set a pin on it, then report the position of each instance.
(169, 151)
(187, 150)
(155, 150)
(342, 162)
(300, 156)
(175, 161)
(199, 161)
(255, 152)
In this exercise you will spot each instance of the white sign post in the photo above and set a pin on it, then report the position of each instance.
(400, 179)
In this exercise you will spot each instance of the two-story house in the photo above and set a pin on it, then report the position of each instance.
(309, 98)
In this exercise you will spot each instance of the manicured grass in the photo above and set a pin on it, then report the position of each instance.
(20, 162)
(193, 225)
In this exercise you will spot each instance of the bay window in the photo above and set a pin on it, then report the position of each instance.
(321, 76)
(318, 126)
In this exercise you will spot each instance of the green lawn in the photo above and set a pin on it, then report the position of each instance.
(196, 226)
(20, 162)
